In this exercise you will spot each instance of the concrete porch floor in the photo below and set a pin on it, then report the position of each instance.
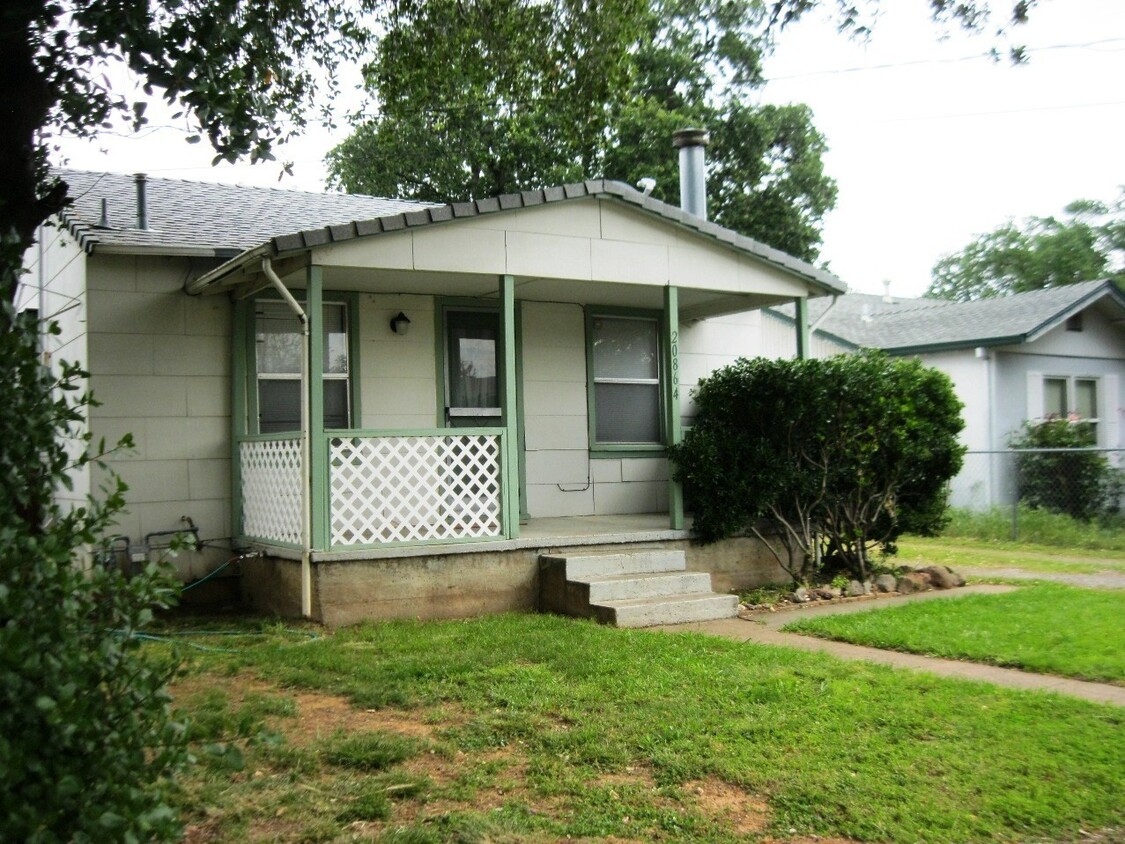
(548, 533)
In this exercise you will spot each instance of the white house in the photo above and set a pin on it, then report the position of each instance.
(1011, 359)
(491, 380)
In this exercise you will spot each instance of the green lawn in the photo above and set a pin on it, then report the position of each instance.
(958, 553)
(1047, 628)
(535, 728)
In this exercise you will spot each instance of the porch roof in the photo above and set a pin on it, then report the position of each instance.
(555, 242)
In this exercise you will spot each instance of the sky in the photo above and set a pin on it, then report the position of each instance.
(930, 141)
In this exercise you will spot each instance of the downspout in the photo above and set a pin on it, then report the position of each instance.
(306, 478)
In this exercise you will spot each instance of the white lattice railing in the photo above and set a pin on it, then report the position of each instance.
(412, 488)
(271, 489)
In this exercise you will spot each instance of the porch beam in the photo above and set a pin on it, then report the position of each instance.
(673, 433)
(239, 421)
(318, 457)
(804, 349)
(510, 495)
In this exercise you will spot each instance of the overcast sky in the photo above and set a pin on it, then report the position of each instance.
(929, 141)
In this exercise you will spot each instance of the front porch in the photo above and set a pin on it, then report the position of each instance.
(461, 389)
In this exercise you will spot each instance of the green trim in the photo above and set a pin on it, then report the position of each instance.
(621, 453)
(511, 463)
(671, 388)
(318, 451)
(258, 540)
(804, 347)
(465, 540)
(238, 417)
(521, 418)
(351, 302)
(340, 433)
(610, 450)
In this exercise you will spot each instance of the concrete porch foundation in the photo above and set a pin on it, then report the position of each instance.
(459, 581)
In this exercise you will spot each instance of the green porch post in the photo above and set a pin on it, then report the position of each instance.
(804, 351)
(318, 453)
(238, 420)
(672, 431)
(510, 496)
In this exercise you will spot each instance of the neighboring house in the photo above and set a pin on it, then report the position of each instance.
(1012, 359)
(495, 379)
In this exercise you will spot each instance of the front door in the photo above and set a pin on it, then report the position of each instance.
(473, 367)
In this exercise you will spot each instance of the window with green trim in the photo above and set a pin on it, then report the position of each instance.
(278, 339)
(625, 363)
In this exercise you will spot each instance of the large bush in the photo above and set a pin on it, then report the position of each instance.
(1057, 473)
(86, 738)
(835, 456)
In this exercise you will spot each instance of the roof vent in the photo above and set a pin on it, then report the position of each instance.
(887, 298)
(142, 210)
(693, 175)
(103, 223)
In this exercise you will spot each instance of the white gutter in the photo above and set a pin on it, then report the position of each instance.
(306, 478)
(824, 316)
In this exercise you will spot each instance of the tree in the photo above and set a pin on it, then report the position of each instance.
(493, 96)
(821, 457)
(1087, 244)
(87, 741)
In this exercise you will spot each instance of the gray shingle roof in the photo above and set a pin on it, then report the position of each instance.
(227, 220)
(904, 325)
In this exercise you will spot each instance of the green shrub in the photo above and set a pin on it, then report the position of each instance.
(821, 457)
(1065, 479)
(87, 742)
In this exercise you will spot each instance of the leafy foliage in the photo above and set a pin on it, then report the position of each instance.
(495, 96)
(87, 742)
(1088, 244)
(1063, 478)
(830, 456)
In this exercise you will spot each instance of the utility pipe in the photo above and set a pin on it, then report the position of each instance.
(306, 478)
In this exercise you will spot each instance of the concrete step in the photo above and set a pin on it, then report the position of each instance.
(623, 587)
(580, 567)
(667, 609)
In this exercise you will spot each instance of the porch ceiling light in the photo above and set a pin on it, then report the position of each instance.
(400, 324)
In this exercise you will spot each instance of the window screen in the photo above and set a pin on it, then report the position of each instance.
(626, 359)
(278, 351)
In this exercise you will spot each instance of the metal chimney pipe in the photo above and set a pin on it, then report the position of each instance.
(142, 210)
(693, 176)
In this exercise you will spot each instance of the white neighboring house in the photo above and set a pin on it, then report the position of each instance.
(1012, 359)
(493, 378)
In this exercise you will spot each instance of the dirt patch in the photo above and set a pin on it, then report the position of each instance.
(723, 801)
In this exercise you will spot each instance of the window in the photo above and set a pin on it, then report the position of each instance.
(277, 332)
(625, 370)
(472, 367)
(1075, 398)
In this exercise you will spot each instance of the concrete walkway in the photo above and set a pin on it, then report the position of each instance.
(762, 628)
(1100, 580)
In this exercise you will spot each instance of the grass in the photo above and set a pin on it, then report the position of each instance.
(1046, 628)
(960, 553)
(1038, 527)
(535, 728)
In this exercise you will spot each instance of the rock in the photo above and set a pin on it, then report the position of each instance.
(912, 582)
(885, 583)
(825, 593)
(854, 589)
(943, 577)
(867, 587)
(800, 595)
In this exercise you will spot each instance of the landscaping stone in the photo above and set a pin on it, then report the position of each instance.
(912, 582)
(854, 589)
(825, 593)
(885, 583)
(943, 577)
(800, 595)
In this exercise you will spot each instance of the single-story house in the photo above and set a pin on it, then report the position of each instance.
(1012, 359)
(491, 381)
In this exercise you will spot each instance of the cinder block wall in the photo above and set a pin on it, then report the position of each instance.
(161, 364)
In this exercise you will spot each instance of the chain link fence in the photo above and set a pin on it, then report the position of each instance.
(1083, 483)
